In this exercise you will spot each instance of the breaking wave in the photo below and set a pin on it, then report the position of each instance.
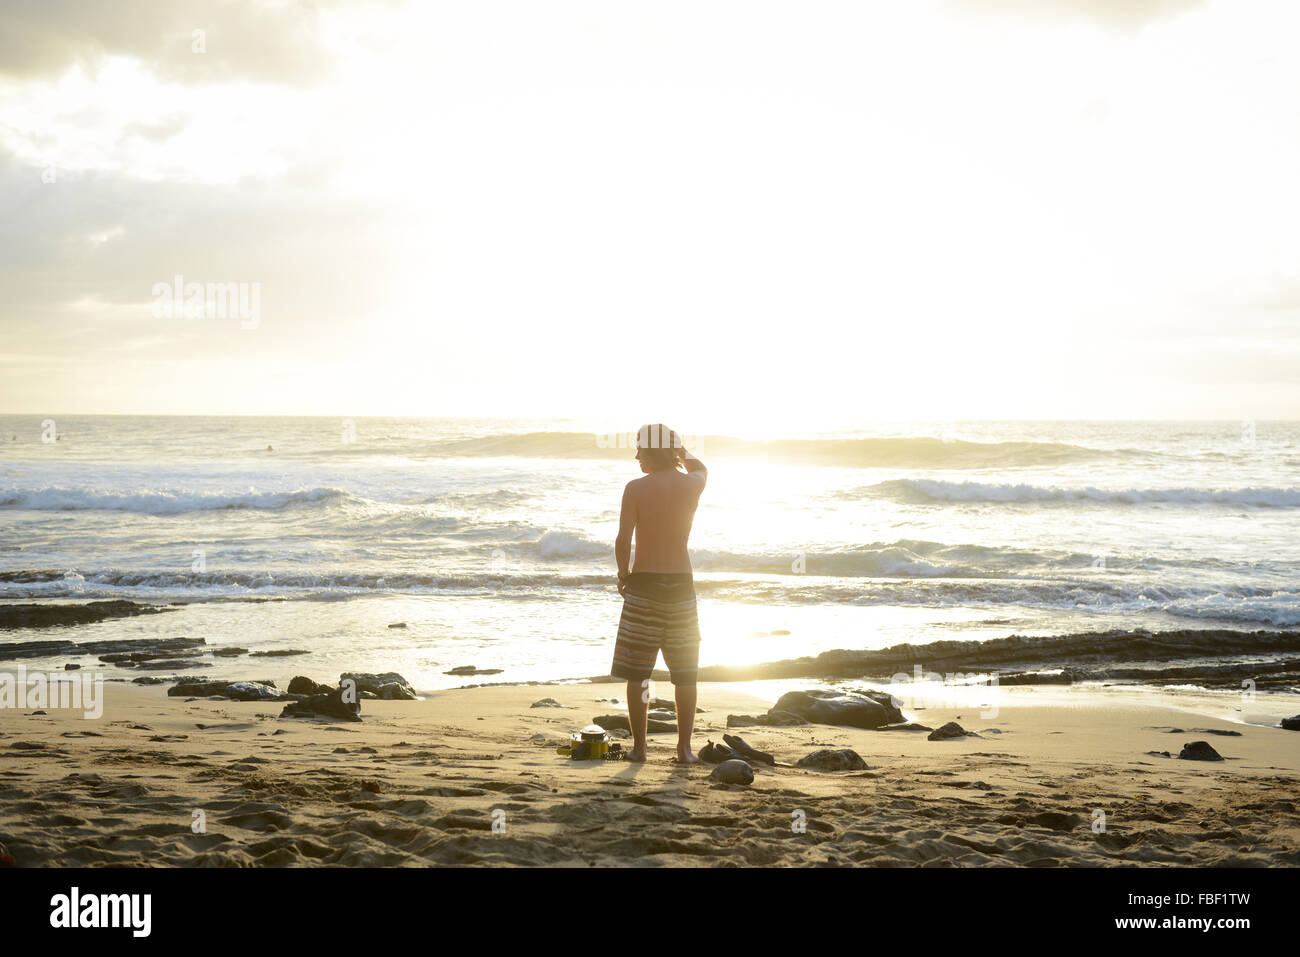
(920, 491)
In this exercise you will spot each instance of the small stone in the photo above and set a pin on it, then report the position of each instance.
(844, 759)
(733, 772)
(950, 730)
(546, 703)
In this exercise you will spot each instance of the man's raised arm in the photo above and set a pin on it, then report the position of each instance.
(694, 467)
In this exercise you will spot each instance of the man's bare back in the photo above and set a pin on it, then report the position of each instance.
(658, 510)
(663, 506)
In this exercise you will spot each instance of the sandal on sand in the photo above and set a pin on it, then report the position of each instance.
(717, 753)
(745, 752)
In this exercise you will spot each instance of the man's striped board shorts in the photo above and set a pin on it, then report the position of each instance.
(659, 614)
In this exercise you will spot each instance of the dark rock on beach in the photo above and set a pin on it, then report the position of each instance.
(329, 705)
(472, 670)
(168, 664)
(229, 651)
(305, 686)
(546, 703)
(665, 704)
(390, 686)
(854, 709)
(619, 722)
(1292, 724)
(913, 726)
(236, 690)
(773, 719)
(733, 772)
(844, 759)
(950, 730)
(1199, 751)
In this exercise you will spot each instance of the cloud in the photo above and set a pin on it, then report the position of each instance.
(1112, 14)
(267, 41)
(79, 257)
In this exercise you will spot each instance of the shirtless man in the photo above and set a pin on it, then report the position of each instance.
(659, 591)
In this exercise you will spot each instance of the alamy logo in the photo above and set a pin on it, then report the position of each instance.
(102, 910)
(179, 299)
(39, 691)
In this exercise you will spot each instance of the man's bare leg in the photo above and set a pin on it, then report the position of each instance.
(637, 715)
(686, 696)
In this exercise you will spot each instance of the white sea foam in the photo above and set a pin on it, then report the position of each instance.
(935, 490)
(163, 501)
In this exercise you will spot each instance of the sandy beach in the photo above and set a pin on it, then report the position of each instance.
(160, 781)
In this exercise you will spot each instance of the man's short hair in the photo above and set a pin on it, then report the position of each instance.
(658, 445)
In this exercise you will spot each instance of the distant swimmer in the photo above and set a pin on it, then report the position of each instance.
(658, 592)
(269, 449)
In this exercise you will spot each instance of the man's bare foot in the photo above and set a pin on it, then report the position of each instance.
(686, 756)
(636, 754)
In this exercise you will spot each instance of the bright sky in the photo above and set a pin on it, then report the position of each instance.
(816, 212)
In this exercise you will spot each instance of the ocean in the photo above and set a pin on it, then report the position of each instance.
(492, 540)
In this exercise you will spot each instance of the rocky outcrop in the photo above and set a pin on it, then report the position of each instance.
(125, 652)
(1292, 724)
(1088, 655)
(33, 615)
